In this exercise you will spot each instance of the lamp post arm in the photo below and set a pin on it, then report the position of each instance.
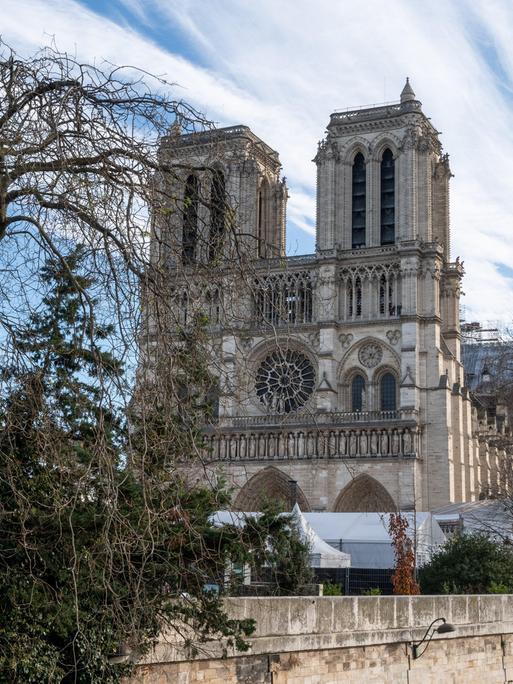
(415, 646)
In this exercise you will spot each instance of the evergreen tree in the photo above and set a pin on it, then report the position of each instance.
(93, 550)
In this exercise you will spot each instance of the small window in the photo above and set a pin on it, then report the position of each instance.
(388, 393)
(359, 197)
(358, 393)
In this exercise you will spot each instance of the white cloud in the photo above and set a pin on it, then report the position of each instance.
(283, 67)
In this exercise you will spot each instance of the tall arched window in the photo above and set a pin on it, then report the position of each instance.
(217, 213)
(359, 199)
(382, 294)
(190, 220)
(263, 197)
(358, 393)
(387, 198)
(388, 393)
(358, 297)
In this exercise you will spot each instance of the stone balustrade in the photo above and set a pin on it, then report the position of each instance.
(317, 442)
(336, 418)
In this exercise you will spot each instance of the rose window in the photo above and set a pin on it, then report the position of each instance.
(285, 381)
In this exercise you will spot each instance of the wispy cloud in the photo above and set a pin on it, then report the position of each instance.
(283, 67)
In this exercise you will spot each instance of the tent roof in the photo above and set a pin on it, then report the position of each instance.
(359, 526)
(329, 557)
(322, 554)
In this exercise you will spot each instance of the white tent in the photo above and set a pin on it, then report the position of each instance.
(322, 555)
(365, 536)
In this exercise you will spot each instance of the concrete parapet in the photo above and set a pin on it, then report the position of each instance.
(370, 634)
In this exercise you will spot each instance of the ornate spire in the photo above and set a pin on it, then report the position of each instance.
(407, 92)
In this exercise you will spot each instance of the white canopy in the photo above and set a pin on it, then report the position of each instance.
(322, 555)
(365, 536)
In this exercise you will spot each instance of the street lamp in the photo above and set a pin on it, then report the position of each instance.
(444, 628)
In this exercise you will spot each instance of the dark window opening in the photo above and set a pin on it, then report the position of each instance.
(217, 213)
(387, 198)
(359, 201)
(261, 220)
(357, 393)
(190, 220)
(388, 393)
(358, 297)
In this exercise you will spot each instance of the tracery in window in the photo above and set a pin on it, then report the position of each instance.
(358, 201)
(388, 392)
(358, 393)
(285, 299)
(190, 220)
(217, 213)
(285, 381)
(387, 198)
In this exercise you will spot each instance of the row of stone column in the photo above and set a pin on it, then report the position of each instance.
(337, 443)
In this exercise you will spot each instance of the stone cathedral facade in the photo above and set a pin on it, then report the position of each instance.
(340, 380)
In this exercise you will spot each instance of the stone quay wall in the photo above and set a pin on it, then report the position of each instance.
(332, 640)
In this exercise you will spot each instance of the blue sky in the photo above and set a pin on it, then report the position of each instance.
(282, 67)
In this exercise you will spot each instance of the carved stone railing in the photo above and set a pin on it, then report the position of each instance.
(376, 111)
(315, 443)
(327, 418)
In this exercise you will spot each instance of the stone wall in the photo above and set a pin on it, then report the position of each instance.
(344, 639)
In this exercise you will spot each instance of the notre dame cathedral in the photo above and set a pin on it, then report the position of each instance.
(340, 380)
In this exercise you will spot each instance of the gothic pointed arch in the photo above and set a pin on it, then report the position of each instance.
(364, 494)
(270, 484)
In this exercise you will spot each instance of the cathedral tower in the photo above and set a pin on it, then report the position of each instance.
(341, 384)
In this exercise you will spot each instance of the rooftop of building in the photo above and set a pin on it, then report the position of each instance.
(216, 136)
(406, 104)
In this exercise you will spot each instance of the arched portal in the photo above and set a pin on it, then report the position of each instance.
(270, 484)
(364, 494)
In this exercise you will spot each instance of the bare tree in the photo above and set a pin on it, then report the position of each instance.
(107, 540)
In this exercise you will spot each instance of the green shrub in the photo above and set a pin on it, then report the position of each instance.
(330, 589)
(469, 564)
(372, 591)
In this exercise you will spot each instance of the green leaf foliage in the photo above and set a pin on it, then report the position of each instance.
(103, 544)
(469, 564)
